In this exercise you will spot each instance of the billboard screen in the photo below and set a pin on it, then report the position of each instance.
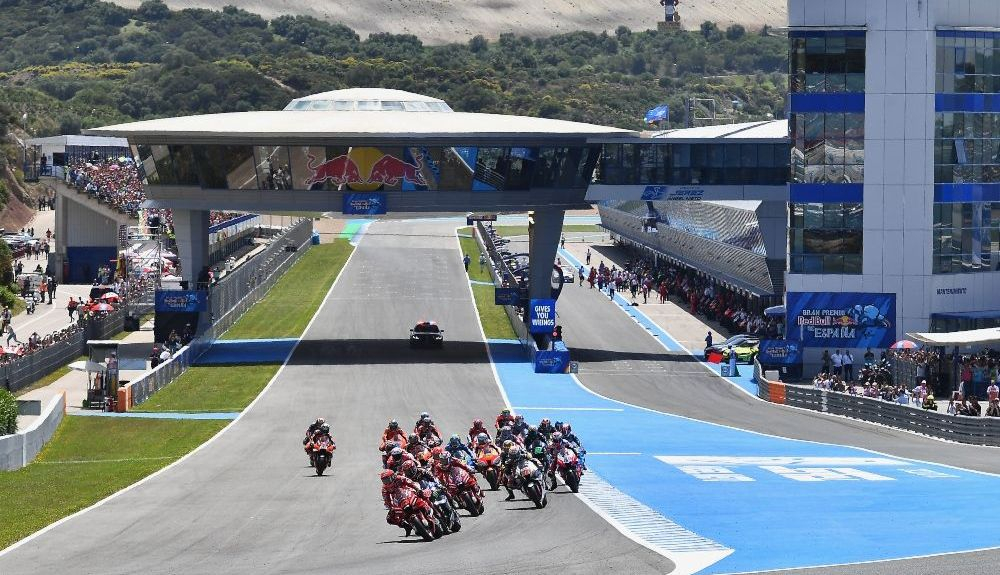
(841, 319)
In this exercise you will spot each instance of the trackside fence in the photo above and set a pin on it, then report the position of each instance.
(962, 429)
(500, 275)
(20, 449)
(231, 298)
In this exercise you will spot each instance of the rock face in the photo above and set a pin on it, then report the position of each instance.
(445, 21)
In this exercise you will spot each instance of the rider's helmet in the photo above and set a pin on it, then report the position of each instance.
(515, 451)
(387, 476)
(396, 452)
(566, 429)
(320, 421)
(437, 451)
(412, 439)
(393, 424)
(444, 458)
(545, 421)
(324, 428)
(477, 423)
(407, 467)
(519, 418)
(532, 429)
(483, 439)
(505, 412)
(455, 440)
(389, 446)
(557, 437)
(424, 416)
(507, 445)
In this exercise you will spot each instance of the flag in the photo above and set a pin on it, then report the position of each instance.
(660, 113)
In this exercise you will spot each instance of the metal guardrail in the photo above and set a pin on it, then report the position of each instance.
(497, 268)
(962, 429)
(238, 292)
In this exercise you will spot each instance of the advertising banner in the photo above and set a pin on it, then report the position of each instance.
(507, 296)
(841, 319)
(779, 352)
(551, 361)
(364, 204)
(181, 301)
(542, 316)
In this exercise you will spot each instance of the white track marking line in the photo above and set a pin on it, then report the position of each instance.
(52, 526)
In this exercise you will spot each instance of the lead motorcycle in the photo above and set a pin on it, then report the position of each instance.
(531, 482)
(321, 454)
(417, 513)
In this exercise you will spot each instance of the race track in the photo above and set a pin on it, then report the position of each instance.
(246, 503)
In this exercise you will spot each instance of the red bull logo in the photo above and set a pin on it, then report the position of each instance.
(387, 170)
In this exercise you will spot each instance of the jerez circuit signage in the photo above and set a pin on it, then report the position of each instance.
(542, 316)
(181, 301)
(841, 319)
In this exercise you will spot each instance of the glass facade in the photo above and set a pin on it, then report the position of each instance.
(683, 164)
(827, 129)
(966, 237)
(279, 167)
(966, 152)
(825, 238)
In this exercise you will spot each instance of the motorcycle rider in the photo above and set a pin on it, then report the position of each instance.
(575, 443)
(392, 433)
(458, 449)
(414, 446)
(391, 482)
(515, 456)
(313, 428)
(533, 435)
(546, 428)
(425, 429)
(519, 427)
(444, 463)
(396, 458)
(505, 434)
(504, 419)
(476, 429)
(552, 452)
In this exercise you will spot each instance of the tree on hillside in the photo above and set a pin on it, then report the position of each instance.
(154, 10)
(710, 30)
(735, 32)
(6, 261)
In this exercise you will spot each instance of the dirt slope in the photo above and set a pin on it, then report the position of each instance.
(444, 21)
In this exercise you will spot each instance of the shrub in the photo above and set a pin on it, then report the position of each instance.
(8, 413)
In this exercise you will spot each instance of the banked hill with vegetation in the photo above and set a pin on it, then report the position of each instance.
(74, 64)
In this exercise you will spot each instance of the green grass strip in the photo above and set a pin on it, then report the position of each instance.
(217, 389)
(496, 324)
(291, 303)
(88, 459)
(508, 231)
(469, 246)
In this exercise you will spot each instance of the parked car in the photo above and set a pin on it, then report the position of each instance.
(745, 345)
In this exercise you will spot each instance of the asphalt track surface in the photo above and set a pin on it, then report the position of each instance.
(620, 360)
(247, 503)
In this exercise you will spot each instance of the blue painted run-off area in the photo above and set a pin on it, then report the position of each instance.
(745, 378)
(778, 503)
(247, 351)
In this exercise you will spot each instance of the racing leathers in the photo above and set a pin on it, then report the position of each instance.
(395, 515)
(476, 430)
(426, 429)
(574, 442)
(390, 434)
(443, 474)
(546, 428)
(504, 420)
(460, 451)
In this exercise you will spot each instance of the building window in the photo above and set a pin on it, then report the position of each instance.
(828, 148)
(825, 238)
(966, 237)
(827, 61)
(694, 164)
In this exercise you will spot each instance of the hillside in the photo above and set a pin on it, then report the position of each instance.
(445, 21)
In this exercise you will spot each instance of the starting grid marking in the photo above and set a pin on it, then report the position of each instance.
(804, 469)
(643, 523)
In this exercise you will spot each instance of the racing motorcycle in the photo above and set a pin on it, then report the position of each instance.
(488, 463)
(464, 489)
(445, 513)
(538, 451)
(321, 453)
(531, 483)
(569, 468)
(417, 513)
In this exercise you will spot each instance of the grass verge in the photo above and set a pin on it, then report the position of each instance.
(227, 388)
(288, 307)
(88, 459)
(496, 324)
(469, 246)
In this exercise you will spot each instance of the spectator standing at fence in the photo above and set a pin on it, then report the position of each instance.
(588, 256)
(993, 392)
(52, 289)
(848, 360)
(826, 361)
(838, 363)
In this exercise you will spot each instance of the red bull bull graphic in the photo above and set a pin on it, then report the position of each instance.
(848, 319)
(340, 170)
(387, 170)
(391, 171)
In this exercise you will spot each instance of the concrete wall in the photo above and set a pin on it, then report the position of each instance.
(20, 449)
